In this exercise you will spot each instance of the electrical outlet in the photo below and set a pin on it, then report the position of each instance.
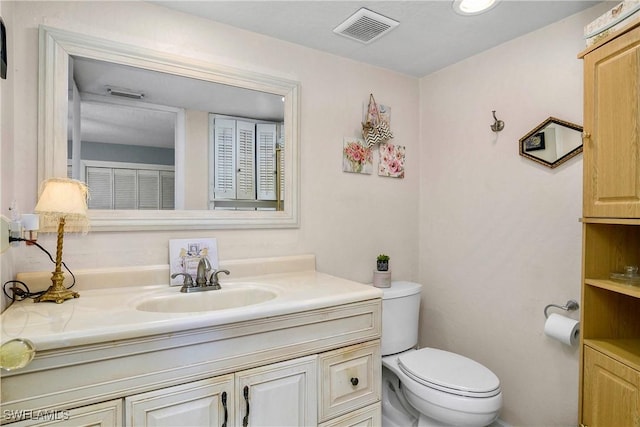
(4, 234)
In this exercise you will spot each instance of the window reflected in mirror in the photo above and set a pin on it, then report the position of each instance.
(552, 143)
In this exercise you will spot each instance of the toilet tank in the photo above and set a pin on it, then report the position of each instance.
(400, 310)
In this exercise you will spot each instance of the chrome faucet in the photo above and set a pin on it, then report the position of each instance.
(201, 282)
(204, 266)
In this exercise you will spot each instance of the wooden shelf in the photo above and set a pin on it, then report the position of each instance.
(611, 285)
(611, 221)
(625, 351)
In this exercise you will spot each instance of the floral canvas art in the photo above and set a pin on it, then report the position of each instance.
(356, 157)
(391, 160)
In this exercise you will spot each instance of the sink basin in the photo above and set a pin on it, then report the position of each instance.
(221, 299)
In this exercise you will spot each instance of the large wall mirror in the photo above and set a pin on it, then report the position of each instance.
(166, 142)
(552, 142)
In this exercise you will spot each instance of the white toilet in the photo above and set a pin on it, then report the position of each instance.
(429, 387)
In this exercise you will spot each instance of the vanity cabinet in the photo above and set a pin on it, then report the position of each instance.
(610, 320)
(299, 369)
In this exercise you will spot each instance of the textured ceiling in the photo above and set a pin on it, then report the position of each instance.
(430, 35)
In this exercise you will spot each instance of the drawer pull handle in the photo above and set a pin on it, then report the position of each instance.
(226, 411)
(245, 392)
(354, 381)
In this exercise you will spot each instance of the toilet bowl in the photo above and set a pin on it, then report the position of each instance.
(429, 387)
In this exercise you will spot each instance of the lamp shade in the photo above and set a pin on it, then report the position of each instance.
(63, 198)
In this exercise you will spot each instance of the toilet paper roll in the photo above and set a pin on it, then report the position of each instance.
(563, 329)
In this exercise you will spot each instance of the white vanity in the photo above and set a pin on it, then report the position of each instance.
(307, 354)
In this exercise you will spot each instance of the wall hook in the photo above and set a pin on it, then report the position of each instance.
(497, 125)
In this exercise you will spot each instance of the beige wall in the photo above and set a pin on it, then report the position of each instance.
(499, 234)
(347, 219)
(498, 237)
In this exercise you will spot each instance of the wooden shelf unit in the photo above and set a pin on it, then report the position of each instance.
(610, 309)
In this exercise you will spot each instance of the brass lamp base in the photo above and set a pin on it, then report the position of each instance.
(57, 292)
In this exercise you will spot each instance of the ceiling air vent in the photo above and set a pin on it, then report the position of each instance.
(365, 26)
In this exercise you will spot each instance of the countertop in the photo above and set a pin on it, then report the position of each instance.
(107, 314)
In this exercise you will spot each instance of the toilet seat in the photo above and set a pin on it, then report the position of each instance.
(449, 372)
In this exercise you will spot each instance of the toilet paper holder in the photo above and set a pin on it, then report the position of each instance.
(571, 305)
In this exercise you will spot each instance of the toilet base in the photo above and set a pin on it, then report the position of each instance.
(396, 411)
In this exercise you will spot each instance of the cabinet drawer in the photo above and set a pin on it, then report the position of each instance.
(370, 416)
(350, 378)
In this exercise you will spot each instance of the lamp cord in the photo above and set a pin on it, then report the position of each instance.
(17, 291)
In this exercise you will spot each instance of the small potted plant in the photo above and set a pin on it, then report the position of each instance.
(382, 262)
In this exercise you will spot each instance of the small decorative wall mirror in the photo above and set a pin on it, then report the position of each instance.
(552, 143)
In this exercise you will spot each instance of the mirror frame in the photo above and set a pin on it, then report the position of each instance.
(55, 47)
(541, 126)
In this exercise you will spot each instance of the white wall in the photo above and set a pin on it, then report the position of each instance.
(347, 219)
(499, 234)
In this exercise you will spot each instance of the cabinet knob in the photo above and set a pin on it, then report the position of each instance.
(354, 381)
(586, 135)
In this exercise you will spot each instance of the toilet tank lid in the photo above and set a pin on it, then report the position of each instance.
(401, 289)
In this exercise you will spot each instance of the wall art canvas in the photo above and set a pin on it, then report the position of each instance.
(185, 254)
(391, 160)
(356, 157)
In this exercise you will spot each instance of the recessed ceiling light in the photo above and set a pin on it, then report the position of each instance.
(473, 7)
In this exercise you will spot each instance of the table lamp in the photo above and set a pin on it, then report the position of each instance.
(62, 203)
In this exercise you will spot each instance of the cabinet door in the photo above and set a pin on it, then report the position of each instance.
(202, 403)
(282, 394)
(611, 392)
(612, 129)
(105, 414)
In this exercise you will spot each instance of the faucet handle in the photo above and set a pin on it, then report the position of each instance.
(187, 282)
(214, 281)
